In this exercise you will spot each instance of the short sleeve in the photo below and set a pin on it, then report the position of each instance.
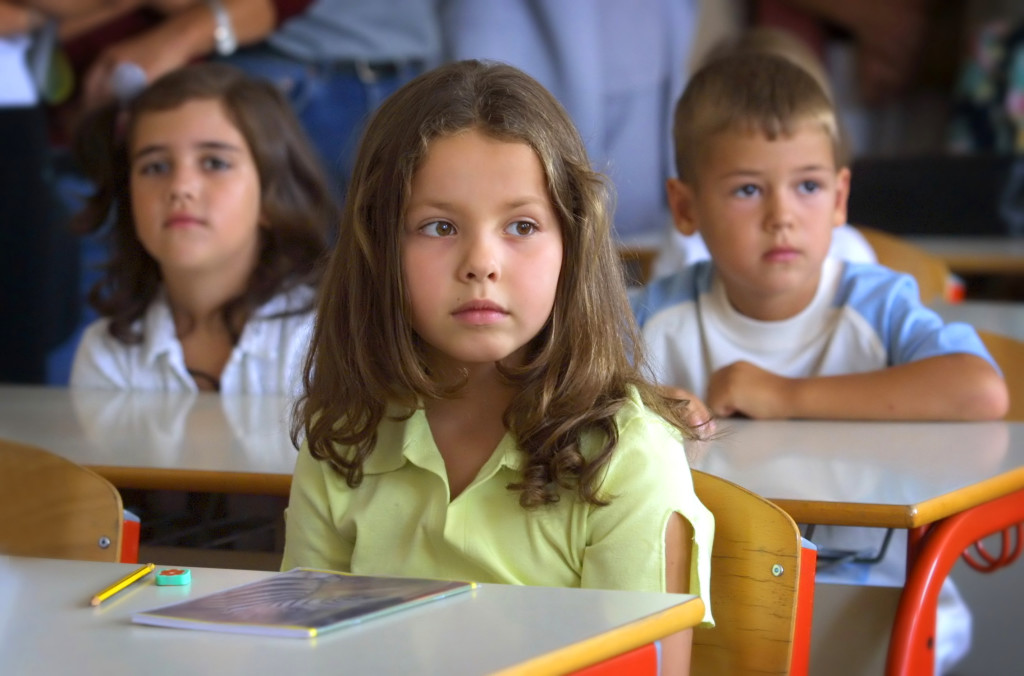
(917, 332)
(647, 480)
(312, 538)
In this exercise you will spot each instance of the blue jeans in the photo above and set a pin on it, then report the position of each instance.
(332, 101)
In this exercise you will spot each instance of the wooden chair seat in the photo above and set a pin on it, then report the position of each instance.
(53, 508)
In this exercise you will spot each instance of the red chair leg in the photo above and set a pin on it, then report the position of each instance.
(800, 663)
(130, 532)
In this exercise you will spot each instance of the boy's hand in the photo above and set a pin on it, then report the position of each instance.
(742, 388)
(697, 414)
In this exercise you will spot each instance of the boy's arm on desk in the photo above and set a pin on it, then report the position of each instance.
(949, 387)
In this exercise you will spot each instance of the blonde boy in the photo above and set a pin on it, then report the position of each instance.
(772, 327)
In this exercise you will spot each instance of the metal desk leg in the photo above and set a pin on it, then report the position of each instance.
(912, 645)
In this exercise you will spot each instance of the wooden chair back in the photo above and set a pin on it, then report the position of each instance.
(931, 272)
(1009, 354)
(637, 263)
(755, 571)
(53, 508)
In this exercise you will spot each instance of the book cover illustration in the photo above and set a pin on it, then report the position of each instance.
(302, 602)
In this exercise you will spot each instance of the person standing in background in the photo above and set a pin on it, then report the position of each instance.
(616, 67)
(337, 60)
(119, 47)
(37, 265)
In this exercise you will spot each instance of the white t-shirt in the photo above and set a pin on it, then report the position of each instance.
(863, 317)
(268, 358)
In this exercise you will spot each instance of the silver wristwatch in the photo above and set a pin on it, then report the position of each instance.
(224, 38)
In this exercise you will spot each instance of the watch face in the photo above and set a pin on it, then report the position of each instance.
(223, 33)
(224, 39)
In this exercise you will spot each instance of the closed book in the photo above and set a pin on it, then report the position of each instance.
(300, 603)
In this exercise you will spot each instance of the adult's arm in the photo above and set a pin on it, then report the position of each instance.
(184, 36)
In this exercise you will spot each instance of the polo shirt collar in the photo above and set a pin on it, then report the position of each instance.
(158, 333)
(402, 441)
(256, 340)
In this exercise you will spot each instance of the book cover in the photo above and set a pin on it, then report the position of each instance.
(300, 603)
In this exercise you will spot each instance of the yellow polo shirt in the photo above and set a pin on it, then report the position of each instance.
(400, 520)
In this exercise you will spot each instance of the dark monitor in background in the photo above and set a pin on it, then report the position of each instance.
(947, 195)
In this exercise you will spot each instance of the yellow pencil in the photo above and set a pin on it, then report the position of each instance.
(122, 584)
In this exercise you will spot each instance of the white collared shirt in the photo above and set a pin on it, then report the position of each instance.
(268, 358)
(18, 90)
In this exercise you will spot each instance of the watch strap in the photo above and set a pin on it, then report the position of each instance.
(224, 39)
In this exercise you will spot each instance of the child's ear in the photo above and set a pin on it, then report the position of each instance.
(842, 197)
(681, 204)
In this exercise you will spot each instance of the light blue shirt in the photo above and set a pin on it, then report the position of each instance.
(617, 67)
(864, 317)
